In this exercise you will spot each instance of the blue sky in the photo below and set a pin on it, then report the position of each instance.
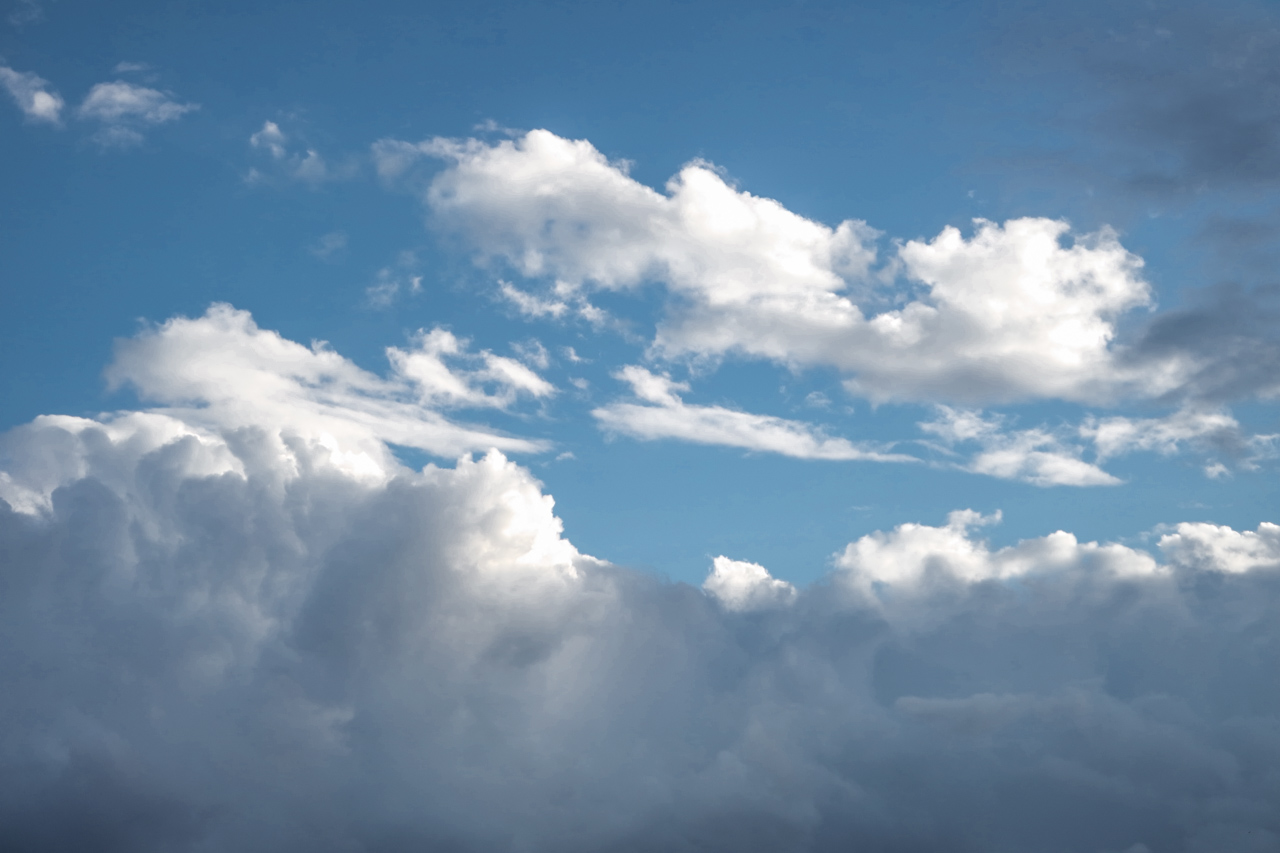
(768, 284)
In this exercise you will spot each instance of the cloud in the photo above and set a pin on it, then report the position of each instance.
(913, 555)
(1212, 547)
(1037, 456)
(294, 161)
(1019, 310)
(745, 587)
(329, 245)
(662, 414)
(439, 385)
(223, 372)
(403, 276)
(1205, 431)
(219, 635)
(33, 94)
(125, 110)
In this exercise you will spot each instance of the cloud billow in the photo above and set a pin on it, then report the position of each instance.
(224, 631)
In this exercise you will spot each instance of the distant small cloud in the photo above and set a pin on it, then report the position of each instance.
(393, 280)
(34, 95)
(125, 110)
(131, 67)
(297, 162)
(329, 245)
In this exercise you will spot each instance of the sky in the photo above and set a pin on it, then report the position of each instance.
(673, 426)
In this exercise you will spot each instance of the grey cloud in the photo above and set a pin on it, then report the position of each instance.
(226, 641)
(1230, 338)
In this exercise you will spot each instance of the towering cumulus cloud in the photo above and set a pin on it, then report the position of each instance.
(236, 622)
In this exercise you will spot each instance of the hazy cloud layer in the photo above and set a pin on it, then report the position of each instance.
(126, 110)
(219, 633)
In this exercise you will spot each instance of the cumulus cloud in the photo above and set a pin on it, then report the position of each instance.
(223, 372)
(35, 97)
(663, 414)
(1037, 456)
(125, 110)
(441, 385)
(743, 587)
(1019, 310)
(219, 635)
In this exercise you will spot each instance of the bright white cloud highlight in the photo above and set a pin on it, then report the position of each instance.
(33, 94)
(915, 554)
(223, 372)
(745, 587)
(1016, 311)
(663, 414)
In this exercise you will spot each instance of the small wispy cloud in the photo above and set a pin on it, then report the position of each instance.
(126, 110)
(35, 96)
(662, 414)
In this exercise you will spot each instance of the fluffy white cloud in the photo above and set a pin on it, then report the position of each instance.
(218, 635)
(915, 554)
(1016, 311)
(744, 587)
(662, 414)
(1035, 456)
(1213, 547)
(223, 372)
(33, 94)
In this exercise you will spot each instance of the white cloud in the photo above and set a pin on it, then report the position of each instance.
(296, 162)
(33, 94)
(662, 414)
(916, 554)
(1036, 456)
(271, 138)
(120, 101)
(1212, 547)
(222, 372)
(1207, 431)
(125, 110)
(218, 635)
(745, 587)
(437, 384)
(1009, 313)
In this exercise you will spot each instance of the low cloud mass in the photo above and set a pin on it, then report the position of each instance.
(222, 633)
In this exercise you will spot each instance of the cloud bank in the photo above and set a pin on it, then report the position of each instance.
(221, 633)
